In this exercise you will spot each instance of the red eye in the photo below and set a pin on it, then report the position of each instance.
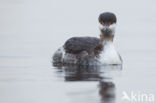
(111, 23)
(101, 22)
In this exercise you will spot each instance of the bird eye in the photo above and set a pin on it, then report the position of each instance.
(111, 23)
(101, 22)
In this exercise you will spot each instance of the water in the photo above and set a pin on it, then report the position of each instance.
(30, 32)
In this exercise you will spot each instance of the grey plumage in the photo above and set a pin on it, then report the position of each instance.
(57, 57)
(76, 45)
(107, 17)
(88, 50)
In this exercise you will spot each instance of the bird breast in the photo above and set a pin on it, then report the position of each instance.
(109, 55)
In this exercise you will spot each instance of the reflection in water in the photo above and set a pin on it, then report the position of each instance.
(107, 91)
(103, 74)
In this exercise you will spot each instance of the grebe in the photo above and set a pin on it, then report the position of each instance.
(91, 50)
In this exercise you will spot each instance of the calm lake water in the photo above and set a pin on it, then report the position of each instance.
(31, 30)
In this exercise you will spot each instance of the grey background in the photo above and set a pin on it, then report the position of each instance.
(31, 30)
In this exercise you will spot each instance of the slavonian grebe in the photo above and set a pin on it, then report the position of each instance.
(91, 50)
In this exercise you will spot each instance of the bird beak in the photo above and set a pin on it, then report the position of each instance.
(104, 27)
(107, 29)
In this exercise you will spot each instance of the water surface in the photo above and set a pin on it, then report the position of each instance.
(30, 32)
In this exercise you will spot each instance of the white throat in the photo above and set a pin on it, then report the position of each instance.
(109, 55)
(111, 27)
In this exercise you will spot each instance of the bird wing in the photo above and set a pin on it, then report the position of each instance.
(76, 45)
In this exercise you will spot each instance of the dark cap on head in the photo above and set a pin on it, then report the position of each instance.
(107, 17)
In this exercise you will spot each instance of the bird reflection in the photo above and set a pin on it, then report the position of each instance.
(107, 92)
(102, 74)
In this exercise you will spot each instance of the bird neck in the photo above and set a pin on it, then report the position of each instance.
(103, 41)
(105, 38)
